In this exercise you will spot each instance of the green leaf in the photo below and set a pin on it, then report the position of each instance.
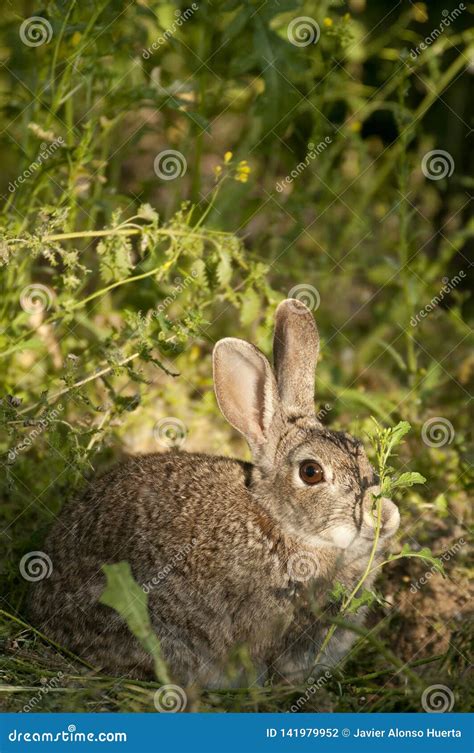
(357, 602)
(224, 269)
(397, 433)
(424, 554)
(123, 594)
(407, 479)
(250, 307)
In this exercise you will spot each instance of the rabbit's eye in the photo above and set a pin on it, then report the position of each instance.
(311, 472)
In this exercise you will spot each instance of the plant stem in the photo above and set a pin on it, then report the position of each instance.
(347, 601)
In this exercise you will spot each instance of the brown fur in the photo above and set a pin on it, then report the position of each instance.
(218, 543)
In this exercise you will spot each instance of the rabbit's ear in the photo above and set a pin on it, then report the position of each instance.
(245, 388)
(295, 353)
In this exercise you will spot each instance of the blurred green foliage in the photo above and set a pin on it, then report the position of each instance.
(297, 166)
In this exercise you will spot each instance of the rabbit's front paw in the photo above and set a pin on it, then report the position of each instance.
(390, 519)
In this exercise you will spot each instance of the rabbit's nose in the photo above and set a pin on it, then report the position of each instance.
(390, 517)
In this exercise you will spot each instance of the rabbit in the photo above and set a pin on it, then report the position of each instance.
(231, 554)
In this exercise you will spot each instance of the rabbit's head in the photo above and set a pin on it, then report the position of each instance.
(319, 484)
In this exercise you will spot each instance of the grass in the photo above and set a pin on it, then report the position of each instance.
(115, 283)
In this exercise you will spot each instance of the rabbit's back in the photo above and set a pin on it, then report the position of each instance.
(208, 556)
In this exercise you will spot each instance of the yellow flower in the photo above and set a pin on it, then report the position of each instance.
(76, 38)
(227, 157)
(243, 171)
(355, 126)
(217, 170)
(328, 22)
